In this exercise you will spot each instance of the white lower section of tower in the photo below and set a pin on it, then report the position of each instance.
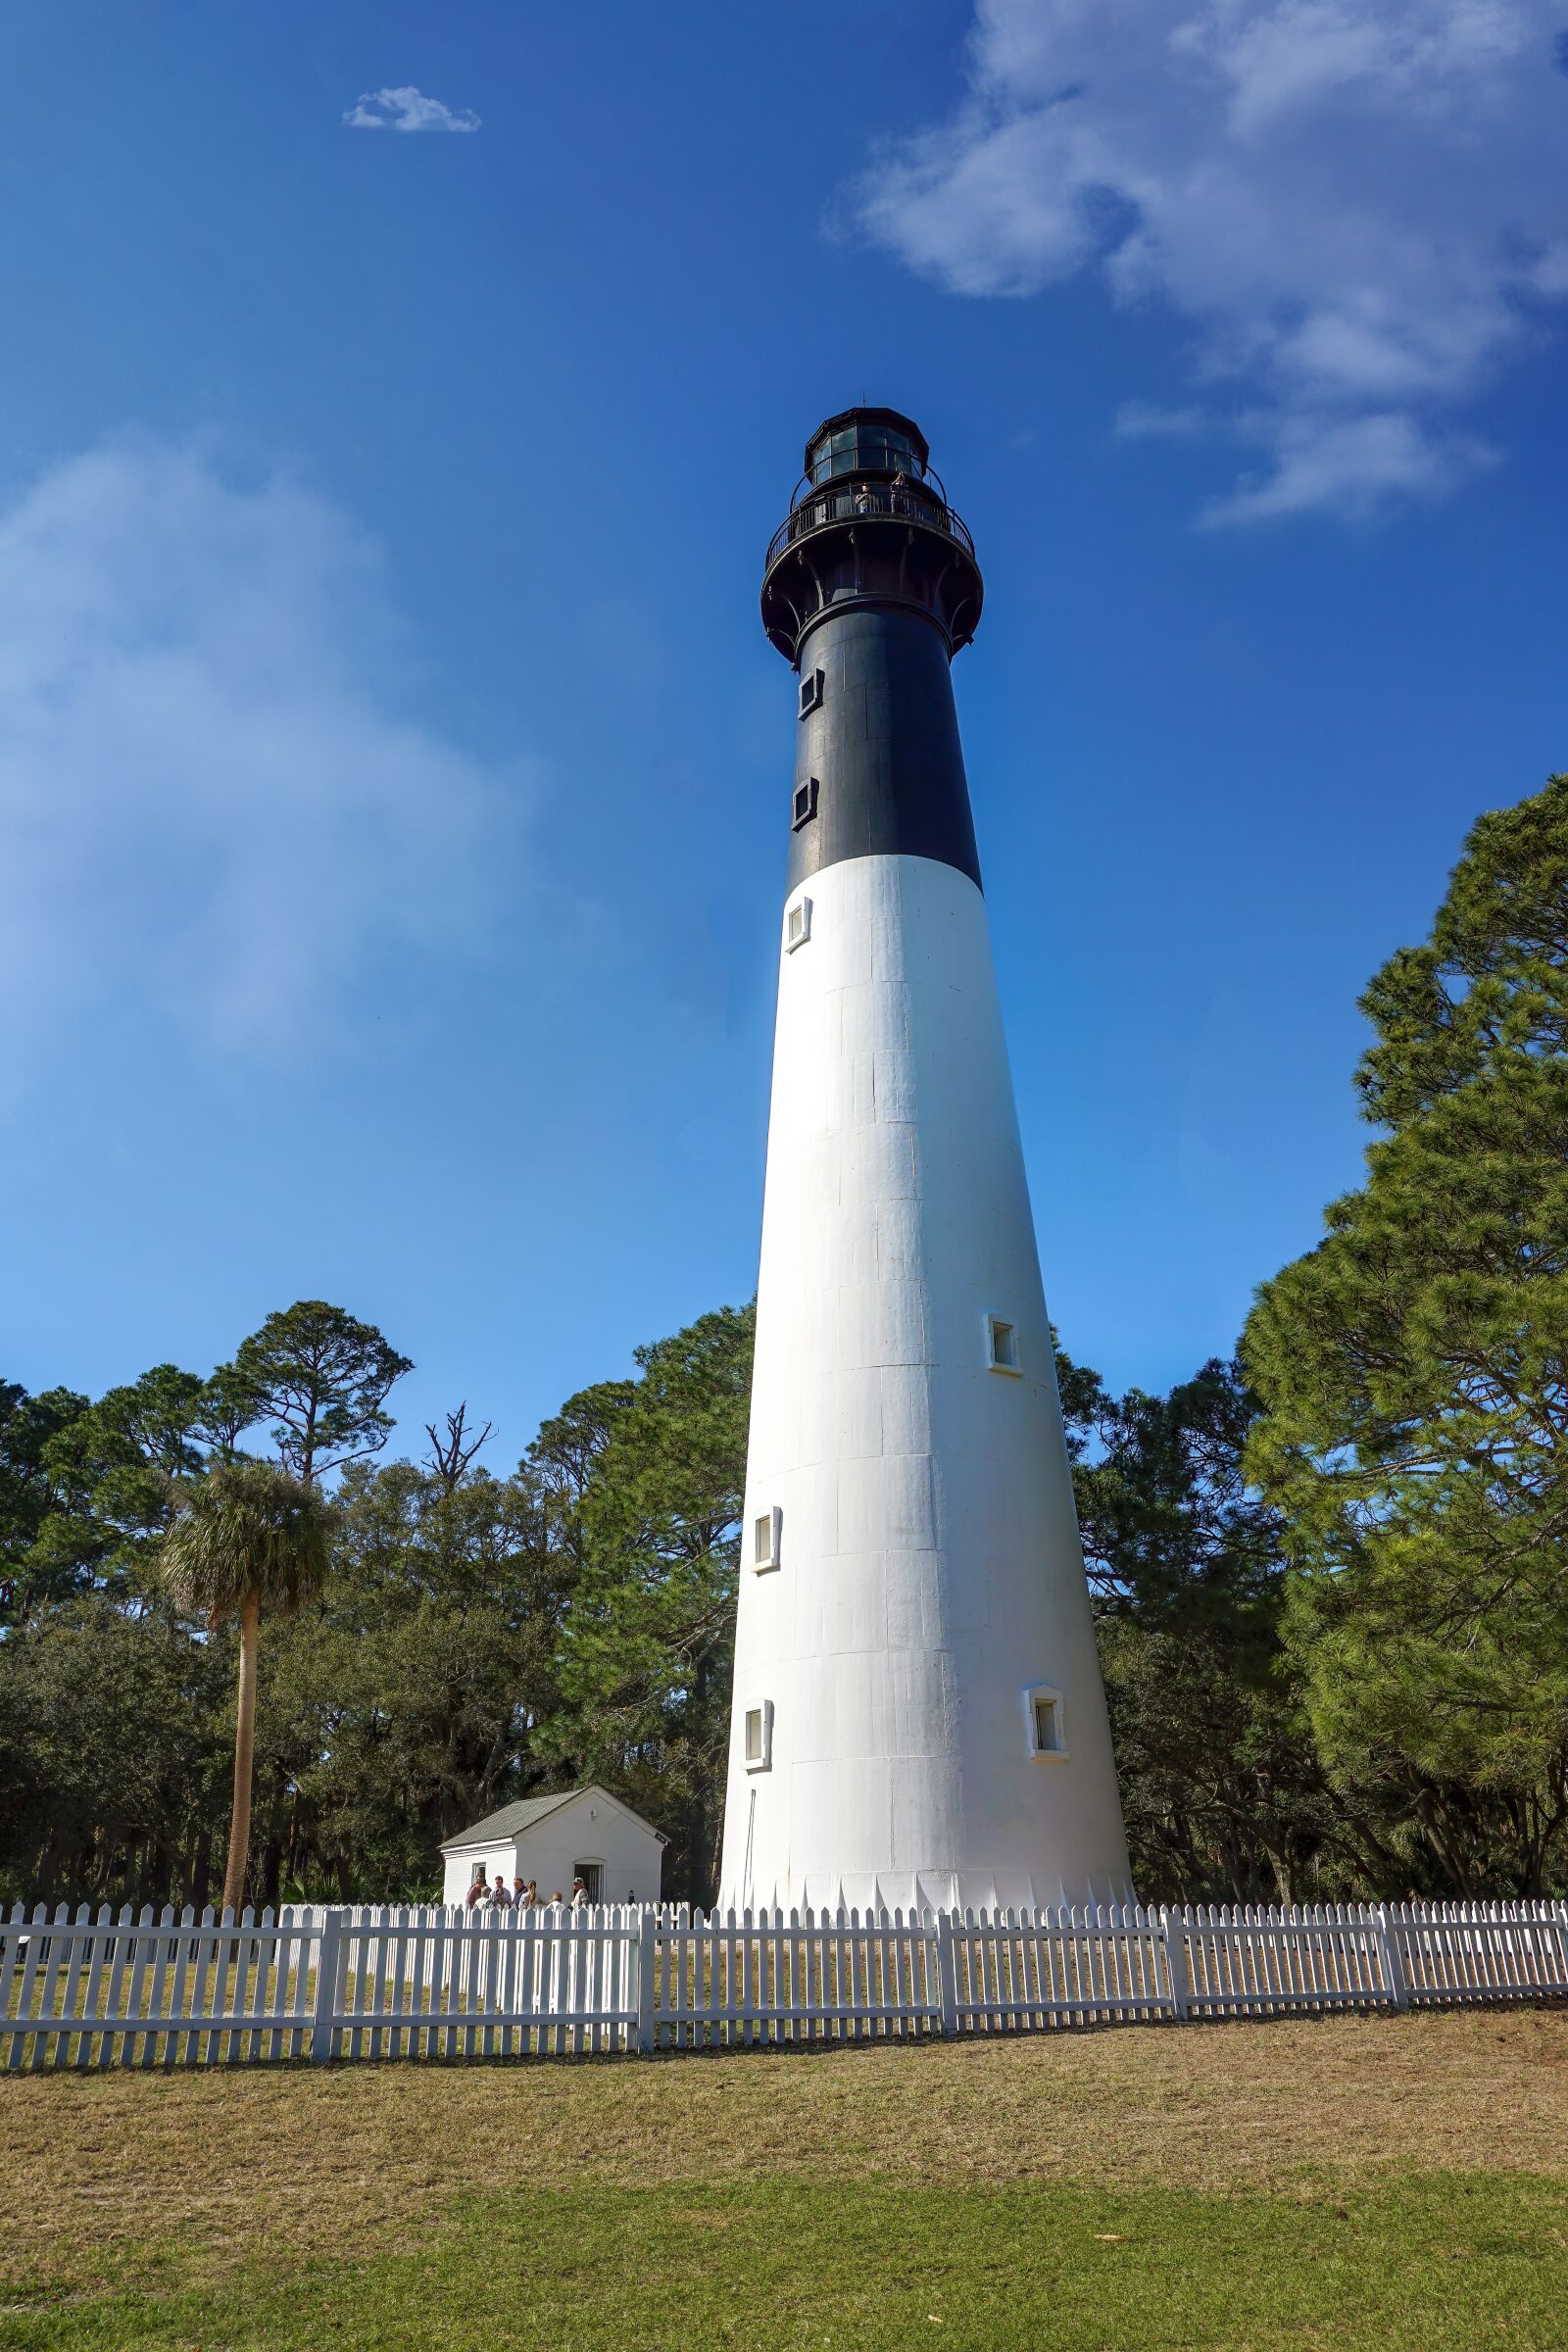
(919, 1717)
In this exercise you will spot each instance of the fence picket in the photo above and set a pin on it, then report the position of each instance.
(120, 1947)
(29, 1947)
(208, 1999)
(52, 1949)
(244, 2041)
(13, 1945)
(86, 1955)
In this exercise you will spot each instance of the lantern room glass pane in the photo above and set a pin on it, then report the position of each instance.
(868, 449)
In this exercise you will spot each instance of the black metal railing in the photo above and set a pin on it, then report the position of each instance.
(854, 501)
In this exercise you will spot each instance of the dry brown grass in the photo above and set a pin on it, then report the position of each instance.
(334, 2161)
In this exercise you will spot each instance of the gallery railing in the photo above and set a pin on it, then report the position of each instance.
(870, 501)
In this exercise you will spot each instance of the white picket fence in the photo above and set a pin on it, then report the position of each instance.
(383, 1981)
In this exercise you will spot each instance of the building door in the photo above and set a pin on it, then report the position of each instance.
(592, 1875)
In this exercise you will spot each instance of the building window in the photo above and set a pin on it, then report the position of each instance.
(803, 804)
(810, 692)
(1002, 1344)
(759, 1737)
(767, 1529)
(1047, 1727)
(797, 924)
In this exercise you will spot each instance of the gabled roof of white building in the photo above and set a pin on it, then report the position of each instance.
(528, 1811)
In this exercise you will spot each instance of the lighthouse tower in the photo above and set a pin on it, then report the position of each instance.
(918, 1718)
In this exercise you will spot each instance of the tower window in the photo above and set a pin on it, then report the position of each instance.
(759, 1737)
(797, 924)
(1042, 1716)
(767, 1529)
(803, 804)
(811, 691)
(1002, 1344)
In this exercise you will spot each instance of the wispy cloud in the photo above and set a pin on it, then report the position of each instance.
(1348, 463)
(1146, 420)
(217, 809)
(1354, 203)
(407, 109)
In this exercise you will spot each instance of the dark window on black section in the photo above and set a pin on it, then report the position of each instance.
(810, 692)
(805, 803)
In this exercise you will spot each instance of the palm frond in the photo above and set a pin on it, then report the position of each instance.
(247, 1531)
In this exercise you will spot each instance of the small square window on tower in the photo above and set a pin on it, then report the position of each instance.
(767, 1530)
(758, 1737)
(803, 804)
(1002, 1344)
(797, 924)
(811, 691)
(1042, 1716)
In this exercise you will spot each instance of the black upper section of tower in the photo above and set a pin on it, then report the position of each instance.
(871, 587)
(869, 525)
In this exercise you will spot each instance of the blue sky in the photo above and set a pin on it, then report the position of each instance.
(392, 768)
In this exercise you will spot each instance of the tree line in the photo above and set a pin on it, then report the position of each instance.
(1330, 1575)
(466, 1638)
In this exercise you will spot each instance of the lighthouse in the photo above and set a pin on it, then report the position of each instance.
(918, 1719)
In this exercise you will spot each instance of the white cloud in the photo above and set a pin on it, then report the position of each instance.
(1348, 463)
(214, 806)
(1146, 420)
(407, 109)
(1352, 202)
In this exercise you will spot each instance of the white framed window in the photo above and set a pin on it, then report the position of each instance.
(802, 808)
(1002, 1344)
(811, 691)
(1044, 1722)
(797, 924)
(767, 1532)
(758, 1737)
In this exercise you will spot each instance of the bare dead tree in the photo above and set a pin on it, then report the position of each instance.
(450, 1456)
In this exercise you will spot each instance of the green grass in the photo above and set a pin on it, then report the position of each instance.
(1348, 2181)
(1481, 2260)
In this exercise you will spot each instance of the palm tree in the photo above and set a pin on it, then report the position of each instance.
(249, 1536)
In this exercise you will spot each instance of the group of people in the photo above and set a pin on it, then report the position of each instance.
(521, 1896)
(869, 501)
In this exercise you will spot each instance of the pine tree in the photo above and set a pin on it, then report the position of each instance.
(650, 1634)
(1414, 1374)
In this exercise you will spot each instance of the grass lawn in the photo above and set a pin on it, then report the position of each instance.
(1379, 2181)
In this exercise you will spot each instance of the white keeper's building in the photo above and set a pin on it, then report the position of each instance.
(579, 1834)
